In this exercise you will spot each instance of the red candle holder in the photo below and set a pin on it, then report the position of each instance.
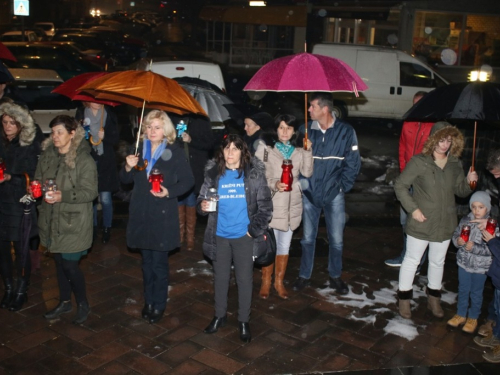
(156, 178)
(465, 233)
(36, 189)
(491, 226)
(3, 167)
(286, 175)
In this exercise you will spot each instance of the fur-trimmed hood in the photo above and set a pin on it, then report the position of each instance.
(21, 115)
(442, 130)
(76, 147)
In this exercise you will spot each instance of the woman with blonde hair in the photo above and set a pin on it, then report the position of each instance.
(153, 225)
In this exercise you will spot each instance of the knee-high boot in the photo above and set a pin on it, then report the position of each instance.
(21, 294)
(190, 227)
(182, 221)
(8, 282)
(279, 275)
(267, 273)
(434, 302)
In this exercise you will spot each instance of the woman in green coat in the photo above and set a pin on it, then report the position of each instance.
(436, 176)
(65, 220)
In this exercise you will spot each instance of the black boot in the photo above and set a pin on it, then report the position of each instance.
(146, 311)
(82, 313)
(155, 316)
(9, 293)
(63, 308)
(106, 234)
(20, 296)
(245, 334)
(215, 324)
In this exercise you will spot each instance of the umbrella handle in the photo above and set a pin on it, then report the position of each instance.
(143, 167)
(27, 181)
(91, 139)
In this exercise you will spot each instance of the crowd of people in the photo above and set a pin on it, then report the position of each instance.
(242, 190)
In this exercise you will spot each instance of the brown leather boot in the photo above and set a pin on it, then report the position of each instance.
(267, 273)
(404, 303)
(182, 221)
(190, 226)
(434, 302)
(281, 262)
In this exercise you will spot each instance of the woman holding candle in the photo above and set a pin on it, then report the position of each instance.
(103, 136)
(287, 205)
(241, 216)
(65, 215)
(436, 176)
(19, 152)
(153, 225)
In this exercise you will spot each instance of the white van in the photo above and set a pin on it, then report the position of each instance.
(393, 77)
(208, 71)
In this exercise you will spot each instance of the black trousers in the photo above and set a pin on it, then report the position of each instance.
(6, 262)
(155, 275)
(70, 279)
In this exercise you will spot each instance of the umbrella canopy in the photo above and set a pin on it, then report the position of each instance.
(71, 88)
(306, 72)
(5, 75)
(478, 101)
(5, 53)
(138, 88)
(211, 98)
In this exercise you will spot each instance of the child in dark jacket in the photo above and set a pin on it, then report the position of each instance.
(474, 260)
(493, 340)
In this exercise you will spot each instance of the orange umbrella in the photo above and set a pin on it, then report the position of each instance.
(144, 89)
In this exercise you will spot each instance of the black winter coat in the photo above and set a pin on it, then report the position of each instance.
(259, 204)
(18, 159)
(107, 172)
(153, 222)
(201, 145)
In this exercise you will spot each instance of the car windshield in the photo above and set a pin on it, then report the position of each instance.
(44, 26)
(37, 95)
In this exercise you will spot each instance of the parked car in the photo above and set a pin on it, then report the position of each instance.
(393, 77)
(48, 27)
(204, 70)
(17, 36)
(33, 87)
(66, 61)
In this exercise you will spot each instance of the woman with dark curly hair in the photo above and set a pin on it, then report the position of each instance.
(242, 215)
(436, 176)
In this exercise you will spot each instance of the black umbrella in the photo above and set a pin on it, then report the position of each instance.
(477, 101)
(27, 228)
(5, 75)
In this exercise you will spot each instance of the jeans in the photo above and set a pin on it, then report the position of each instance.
(188, 200)
(238, 251)
(106, 199)
(415, 251)
(335, 222)
(403, 216)
(496, 298)
(470, 285)
(155, 275)
(283, 240)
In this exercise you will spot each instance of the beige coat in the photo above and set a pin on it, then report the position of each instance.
(287, 205)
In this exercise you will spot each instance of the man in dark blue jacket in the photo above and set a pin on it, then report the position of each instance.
(336, 165)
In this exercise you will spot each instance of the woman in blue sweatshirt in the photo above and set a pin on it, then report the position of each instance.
(243, 213)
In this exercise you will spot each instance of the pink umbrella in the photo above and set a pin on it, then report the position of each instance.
(306, 72)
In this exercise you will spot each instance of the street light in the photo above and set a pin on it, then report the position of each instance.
(257, 3)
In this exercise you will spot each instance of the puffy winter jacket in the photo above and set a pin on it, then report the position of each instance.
(259, 204)
(287, 205)
(336, 162)
(478, 260)
(411, 142)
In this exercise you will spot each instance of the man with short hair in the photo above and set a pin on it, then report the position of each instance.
(336, 165)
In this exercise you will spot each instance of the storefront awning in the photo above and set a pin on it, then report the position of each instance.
(269, 15)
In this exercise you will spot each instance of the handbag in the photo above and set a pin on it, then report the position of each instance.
(265, 248)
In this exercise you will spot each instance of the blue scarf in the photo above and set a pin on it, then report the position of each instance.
(146, 147)
(285, 149)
